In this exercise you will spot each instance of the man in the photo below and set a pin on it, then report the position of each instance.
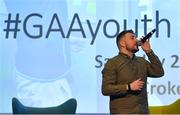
(125, 75)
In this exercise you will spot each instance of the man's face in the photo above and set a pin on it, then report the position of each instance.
(131, 42)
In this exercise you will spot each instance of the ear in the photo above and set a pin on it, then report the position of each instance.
(122, 43)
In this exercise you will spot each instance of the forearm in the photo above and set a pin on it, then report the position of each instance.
(153, 58)
(114, 89)
(155, 68)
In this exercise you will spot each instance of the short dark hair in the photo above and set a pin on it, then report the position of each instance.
(121, 34)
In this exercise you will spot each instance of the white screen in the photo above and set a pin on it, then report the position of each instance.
(56, 49)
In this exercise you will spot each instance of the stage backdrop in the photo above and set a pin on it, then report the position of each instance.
(52, 50)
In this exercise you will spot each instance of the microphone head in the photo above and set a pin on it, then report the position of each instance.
(153, 30)
(146, 37)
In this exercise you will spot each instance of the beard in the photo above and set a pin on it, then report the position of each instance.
(132, 50)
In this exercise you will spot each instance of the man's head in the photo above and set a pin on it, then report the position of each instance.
(126, 40)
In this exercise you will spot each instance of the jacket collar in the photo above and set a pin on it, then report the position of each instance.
(126, 56)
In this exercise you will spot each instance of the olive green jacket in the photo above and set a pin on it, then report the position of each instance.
(121, 70)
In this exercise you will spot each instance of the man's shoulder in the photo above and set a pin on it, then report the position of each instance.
(112, 60)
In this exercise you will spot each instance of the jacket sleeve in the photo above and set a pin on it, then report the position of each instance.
(154, 68)
(109, 83)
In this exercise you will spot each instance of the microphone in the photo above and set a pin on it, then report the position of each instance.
(147, 36)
